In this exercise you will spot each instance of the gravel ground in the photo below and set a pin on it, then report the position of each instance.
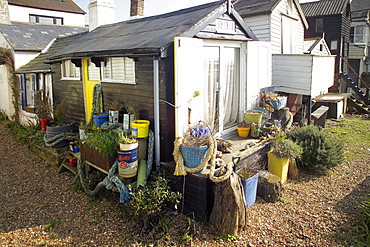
(33, 196)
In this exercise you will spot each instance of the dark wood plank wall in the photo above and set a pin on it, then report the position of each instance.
(61, 88)
(335, 27)
(141, 98)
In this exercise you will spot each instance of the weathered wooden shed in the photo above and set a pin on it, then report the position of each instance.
(156, 64)
(330, 19)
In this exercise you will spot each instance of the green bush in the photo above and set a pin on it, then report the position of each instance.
(148, 202)
(363, 235)
(285, 148)
(321, 150)
(22, 134)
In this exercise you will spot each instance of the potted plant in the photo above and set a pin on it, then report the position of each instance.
(83, 129)
(243, 129)
(127, 142)
(249, 179)
(195, 147)
(43, 109)
(283, 150)
(100, 148)
(127, 156)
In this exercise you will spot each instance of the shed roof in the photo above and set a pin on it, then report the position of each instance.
(38, 65)
(360, 9)
(33, 36)
(149, 35)
(324, 7)
(255, 7)
(259, 7)
(58, 5)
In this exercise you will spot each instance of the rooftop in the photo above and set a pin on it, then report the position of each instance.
(58, 5)
(34, 36)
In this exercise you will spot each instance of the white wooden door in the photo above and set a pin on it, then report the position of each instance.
(259, 69)
(189, 78)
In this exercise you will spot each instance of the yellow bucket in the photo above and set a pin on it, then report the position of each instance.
(278, 166)
(243, 132)
(140, 128)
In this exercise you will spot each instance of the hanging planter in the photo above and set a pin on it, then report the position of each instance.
(193, 156)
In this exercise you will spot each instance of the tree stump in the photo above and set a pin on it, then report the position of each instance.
(269, 186)
(229, 214)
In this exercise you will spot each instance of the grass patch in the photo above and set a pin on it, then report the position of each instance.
(24, 134)
(355, 134)
(51, 224)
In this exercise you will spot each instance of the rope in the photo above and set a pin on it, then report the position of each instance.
(51, 142)
(181, 169)
(97, 102)
(108, 126)
(111, 181)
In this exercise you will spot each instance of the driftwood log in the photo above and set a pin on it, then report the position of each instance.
(269, 186)
(229, 214)
(293, 169)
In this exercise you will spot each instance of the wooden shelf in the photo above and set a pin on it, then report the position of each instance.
(65, 166)
(96, 167)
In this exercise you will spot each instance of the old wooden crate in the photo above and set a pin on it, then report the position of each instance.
(95, 157)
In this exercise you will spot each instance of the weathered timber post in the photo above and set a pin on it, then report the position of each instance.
(229, 214)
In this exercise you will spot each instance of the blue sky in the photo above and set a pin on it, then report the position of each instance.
(151, 7)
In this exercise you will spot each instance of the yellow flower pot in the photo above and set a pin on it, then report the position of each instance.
(243, 132)
(278, 166)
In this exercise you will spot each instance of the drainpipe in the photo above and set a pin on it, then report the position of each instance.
(157, 143)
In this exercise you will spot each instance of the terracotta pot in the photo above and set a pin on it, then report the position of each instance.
(44, 122)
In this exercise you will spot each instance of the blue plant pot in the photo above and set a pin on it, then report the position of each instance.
(100, 118)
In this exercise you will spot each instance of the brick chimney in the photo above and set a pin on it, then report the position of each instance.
(137, 8)
(4, 12)
(101, 12)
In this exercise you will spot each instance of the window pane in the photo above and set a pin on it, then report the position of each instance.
(46, 20)
(58, 21)
(231, 91)
(129, 69)
(93, 71)
(32, 18)
(334, 45)
(69, 70)
(118, 68)
(319, 25)
(359, 34)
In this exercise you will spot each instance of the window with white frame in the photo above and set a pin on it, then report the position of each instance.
(358, 34)
(70, 71)
(118, 69)
(46, 19)
(225, 26)
(29, 83)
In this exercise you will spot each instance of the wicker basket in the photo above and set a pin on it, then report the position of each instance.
(193, 156)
